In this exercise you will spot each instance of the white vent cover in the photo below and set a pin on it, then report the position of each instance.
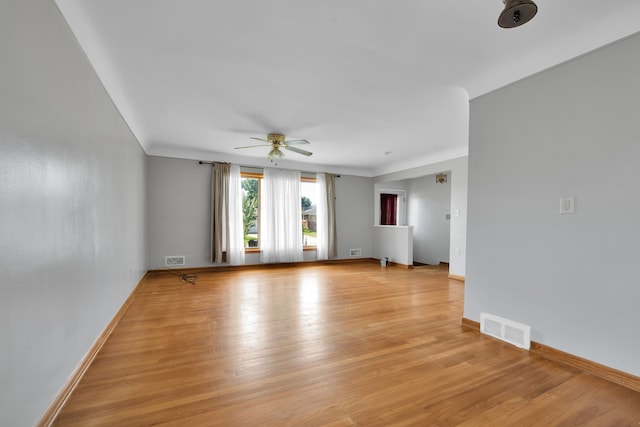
(172, 261)
(506, 330)
(355, 252)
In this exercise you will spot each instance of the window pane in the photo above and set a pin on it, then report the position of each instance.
(388, 209)
(250, 211)
(308, 195)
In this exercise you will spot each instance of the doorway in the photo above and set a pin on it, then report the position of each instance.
(429, 212)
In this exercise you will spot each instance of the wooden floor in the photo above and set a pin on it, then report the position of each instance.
(332, 345)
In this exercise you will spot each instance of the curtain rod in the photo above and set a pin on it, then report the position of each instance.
(202, 162)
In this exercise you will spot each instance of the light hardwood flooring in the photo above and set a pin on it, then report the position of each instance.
(325, 345)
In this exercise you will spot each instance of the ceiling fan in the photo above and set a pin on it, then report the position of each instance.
(277, 142)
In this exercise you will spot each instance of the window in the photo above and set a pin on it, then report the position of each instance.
(388, 209)
(251, 210)
(250, 183)
(309, 221)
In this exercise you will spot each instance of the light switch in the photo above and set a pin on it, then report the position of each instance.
(567, 205)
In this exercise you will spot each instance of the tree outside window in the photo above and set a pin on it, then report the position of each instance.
(250, 210)
(309, 229)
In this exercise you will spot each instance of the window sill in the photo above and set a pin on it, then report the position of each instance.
(257, 250)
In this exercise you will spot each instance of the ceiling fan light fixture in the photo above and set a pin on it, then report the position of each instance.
(276, 140)
(516, 13)
(275, 153)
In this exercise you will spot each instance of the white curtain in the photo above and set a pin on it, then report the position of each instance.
(280, 217)
(236, 229)
(322, 218)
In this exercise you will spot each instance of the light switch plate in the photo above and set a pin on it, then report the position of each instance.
(567, 205)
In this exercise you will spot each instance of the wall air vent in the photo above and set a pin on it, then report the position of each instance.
(355, 252)
(174, 261)
(506, 330)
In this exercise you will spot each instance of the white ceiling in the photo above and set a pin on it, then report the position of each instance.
(357, 78)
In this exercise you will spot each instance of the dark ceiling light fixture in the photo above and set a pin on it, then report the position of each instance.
(516, 13)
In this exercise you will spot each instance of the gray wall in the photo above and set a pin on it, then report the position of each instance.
(354, 217)
(569, 131)
(179, 211)
(429, 203)
(72, 183)
(179, 200)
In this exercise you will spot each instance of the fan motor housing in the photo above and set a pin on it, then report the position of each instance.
(276, 138)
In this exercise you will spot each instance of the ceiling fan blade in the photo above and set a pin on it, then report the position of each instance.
(259, 139)
(297, 142)
(254, 146)
(299, 151)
